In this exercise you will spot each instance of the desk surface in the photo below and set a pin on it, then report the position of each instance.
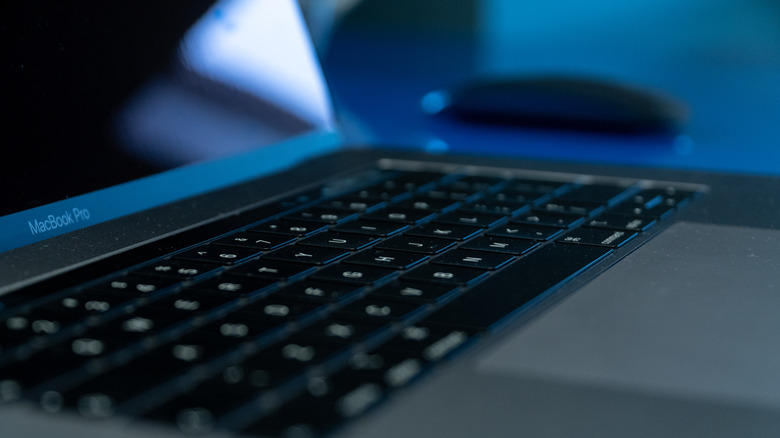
(731, 82)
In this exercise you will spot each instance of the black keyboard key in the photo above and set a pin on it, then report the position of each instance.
(427, 343)
(490, 205)
(520, 283)
(231, 286)
(218, 254)
(656, 202)
(475, 183)
(292, 227)
(444, 231)
(239, 327)
(299, 351)
(526, 231)
(341, 331)
(417, 244)
(96, 302)
(180, 355)
(400, 214)
(453, 193)
(256, 240)
(345, 241)
(355, 203)
(507, 245)
(190, 303)
(446, 275)
(273, 269)
(278, 309)
(371, 228)
(137, 285)
(146, 321)
(193, 412)
(598, 237)
(101, 396)
(377, 311)
(386, 258)
(537, 186)
(428, 203)
(618, 221)
(356, 274)
(323, 214)
(473, 218)
(549, 219)
(602, 194)
(178, 269)
(474, 259)
(413, 292)
(389, 369)
(318, 292)
(310, 255)
(570, 207)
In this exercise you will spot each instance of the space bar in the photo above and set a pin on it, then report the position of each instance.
(505, 293)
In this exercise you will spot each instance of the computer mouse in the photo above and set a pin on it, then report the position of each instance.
(560, 102)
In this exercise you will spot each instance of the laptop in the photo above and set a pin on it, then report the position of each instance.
(190, 245)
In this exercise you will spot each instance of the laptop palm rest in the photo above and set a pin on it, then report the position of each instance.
(658, 345)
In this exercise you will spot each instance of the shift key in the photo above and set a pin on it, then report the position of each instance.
(504, 294)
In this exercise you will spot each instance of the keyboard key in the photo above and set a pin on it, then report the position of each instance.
(137, 285)
(525, 231)
(319, 292)
(428, 203)
(416, 244)
(277, 309)
(231, 286)
(602, 194)
(508, 245)
(257, 240)
(413, 292)
(499, 297)
(371, 228)
(324, 214)
(364, 275)
(344, 331)
(441, 274)
(193, 303)
(400, 214)
(220, 254)
(549, 219)
(598, 237)
(655, 202)
(489, 205)
(427, 343)
(345, 241)
(473, 259)
(445, 231)
(570, 207)
(271, 269)
(178, 269)
(293, 227)
(377, 311)
(387, 368)
(622, 222)
(473, 218)
(386, 258)
(310, 255)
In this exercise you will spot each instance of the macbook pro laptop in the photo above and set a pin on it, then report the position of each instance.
(189, 245)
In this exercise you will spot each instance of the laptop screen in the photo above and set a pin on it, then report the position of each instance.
(156, 100)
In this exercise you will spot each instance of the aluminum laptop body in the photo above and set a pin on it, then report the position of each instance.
(670, 334)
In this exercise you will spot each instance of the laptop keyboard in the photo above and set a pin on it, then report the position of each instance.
(294, 323)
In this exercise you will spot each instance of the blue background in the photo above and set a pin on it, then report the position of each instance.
(721, 57)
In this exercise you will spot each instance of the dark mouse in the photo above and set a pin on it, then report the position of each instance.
(560, 103)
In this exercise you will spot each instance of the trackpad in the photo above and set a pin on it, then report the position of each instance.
(694, 313)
